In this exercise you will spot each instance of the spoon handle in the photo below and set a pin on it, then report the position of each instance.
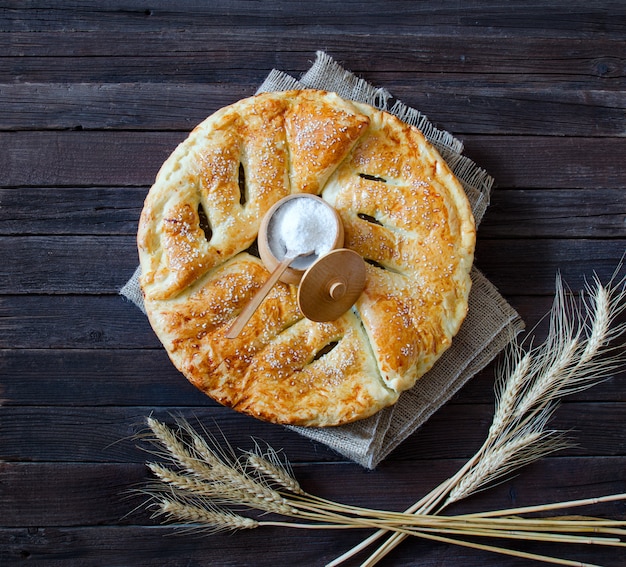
(247, 312)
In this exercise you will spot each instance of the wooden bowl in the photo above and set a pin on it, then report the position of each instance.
(272, 255)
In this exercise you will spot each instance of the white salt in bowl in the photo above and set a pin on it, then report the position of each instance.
(298, 223)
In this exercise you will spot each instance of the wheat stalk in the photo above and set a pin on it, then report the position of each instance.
(528, 386)
(182, 496)
(268, 465)
(502, 459)
(201, 480)
(209, 517)
(179, 480)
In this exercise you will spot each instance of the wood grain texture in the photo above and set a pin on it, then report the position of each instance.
(144, 546)
(521, 213)
(460, 103)
(535, 18)
(44, 485)
(596, 60)
(95, 265)
(110, 434)
(95, 96)
(145, 377)
(127, 159)
(92, 495)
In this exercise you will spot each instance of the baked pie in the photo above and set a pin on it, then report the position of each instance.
(402, 210)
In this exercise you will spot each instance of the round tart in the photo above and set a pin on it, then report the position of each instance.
(402, 210)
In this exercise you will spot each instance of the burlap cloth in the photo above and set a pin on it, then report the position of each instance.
(491, 322)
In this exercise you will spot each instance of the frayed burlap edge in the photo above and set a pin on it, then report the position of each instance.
(491, 322)
(490, 325)
(327, 74)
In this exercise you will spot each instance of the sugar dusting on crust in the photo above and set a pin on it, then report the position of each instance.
(420, 247)
(325, 132)
(180, 228)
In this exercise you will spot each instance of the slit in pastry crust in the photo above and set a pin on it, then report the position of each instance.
(402, 210)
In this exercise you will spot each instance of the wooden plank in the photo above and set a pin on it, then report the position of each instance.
(71, 321)
(292, 51)
(142, 106)
(146, 377)
(79, 264)
(102, 264)
(73, 377)
(99, 493)
(84, 158)
(468, 105)
(150, 546)
(72, 210)
(532, 213)
(480, 389)
(109, 159)
(536, 17)
(532, 110)
(110, 434)
(104, 322)
(81, 494)
(594, 429)
(514, 265)
(555, 213)
(272, 547)
(556, 163)
(239, 55)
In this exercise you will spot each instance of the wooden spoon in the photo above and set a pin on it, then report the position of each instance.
(242, 319)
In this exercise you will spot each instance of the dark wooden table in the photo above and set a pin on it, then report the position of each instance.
(95, 95)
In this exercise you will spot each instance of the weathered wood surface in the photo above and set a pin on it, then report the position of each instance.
(94, 97)
(525, 213)
(50, 263)
(126, 158)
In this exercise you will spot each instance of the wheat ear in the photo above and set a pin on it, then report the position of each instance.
(210, 518)
(268, 465)
(184, 497)
(222, 475)
(528, 390)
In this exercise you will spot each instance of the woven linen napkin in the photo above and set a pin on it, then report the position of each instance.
(491, 323)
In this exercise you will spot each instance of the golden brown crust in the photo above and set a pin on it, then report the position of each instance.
(402, 210)
(320, 133)
(339, 386)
